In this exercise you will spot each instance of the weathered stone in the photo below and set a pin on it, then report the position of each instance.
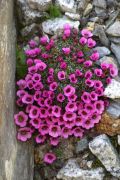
(99, 31)
(71, 171)
(16, 159)
(56, 26)
(113, 29)
(67, 5)
(115, 40)
(90, 26)
(108, 125)
(99, 11)
(102, 148)
(26, 15)
(116, 50)
(113, 90)
(30, 30)
(88, 9)
(81, 145)
(107, 59)
(41, 5)
(119, 139)
(82, 5)
(103, 51)
(73, 16)
(100, 3)
(114, 109)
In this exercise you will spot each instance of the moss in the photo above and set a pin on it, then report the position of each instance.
(97, 164)
(54, 11)
(58, 152)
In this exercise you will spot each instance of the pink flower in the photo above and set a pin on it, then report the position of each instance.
(89, 82)
(99, 106)
(88, 74)
(104, 66)
(54, 141)
(68, 90)
(67, 26)
(43, 40)
(113, 71)
(43, 112)
(73, 78)
(32, 70)
(98, 72)
(84, 113)
(40, 139)
(95, 56)
(24, 134)
(36, 77)
(99, 91)
(41, 102)
(21, 84)
(91, 43)
(63, 65)
(88, 124)
(86, 33)
(95, 118)
(80, 54)
(69, 116)
(41, 66)
(67, 32)
(69, 124)
(28, 77)
(71, 107)
(93, 96)
(89, 107)
(54, 131)
(66, 50)
(51, 71)
(29, 62)
(30, 84)
(78, 132)
(80, 60)
(43, 129)
(65, 132)
(60, 97)
(35, 123)
(38, 86)
(21, 119)
(83, 41)
(78, 73)
(60, 121)
(19, 102)
(79, 121)
(85, 97)
(34, 112)
(56, 111)
(53, 86)
(50, 79)
(98, 84)
(27, 99)
(88, 63)
(61, 75)
(49, 158)
(72, 98)
(48, 102)
(108, 80)
(21, 93)
(37, 95)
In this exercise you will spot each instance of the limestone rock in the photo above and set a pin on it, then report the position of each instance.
(88, 9)
(71, 171)
(82, 5)
(116, 50)
(109, 125)
(73, 16)
(67, 5)
(113, 90)
(114, 109)
(119, 139)
(81, 145)
(56, 25)
(30, 30)
(102, 148)
(103, 51)
(108, 59)
(115, 40)
(100, 3)
(41, 5)
(113, 30)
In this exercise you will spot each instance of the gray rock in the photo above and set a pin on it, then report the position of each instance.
(67, 5)
(71, 171)
(108, 59)
(113, 90)
(41, 5)
(99, 31)
(99, 11)
(103, 51)
(73, 16)
(82, 5)
(113, 30)
(102, 148)
(115, 40)
(119, 139)
(88, 9)
(114, 109)
(56, 25)
(115, 48)
(30, 30)
(26, 15)
(81, 145)
(100, 3)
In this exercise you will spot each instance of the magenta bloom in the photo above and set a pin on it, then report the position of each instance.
(21, 84)
(98, 72)
(32, 43)
(61, 75)
(108, 80)
(113, 71)
(29, 62)
(83, 41)
(43, 129)
(30, 84)
(67, 32)
(86, 33)
(43, 112)
(72, 98)
(93, 96)
(41, 66)
(35, 123)
(69, 116)
(54, 131)
(66, 50)
(99, 91)
(91, 43)
(27, 99)
(44, 40)
(80, 60)
(78, 132)
(28, 77)
(68, 90)
(40, 139)
(73, 78)
(85, 97)
(67, 26)
(34, 112)
(78, 73)
(32, 69)
(99, 106)
(89, 82)
(88, 124)
(48, 102)
(95, 118)
(69, 124)
(65, 132)
(21, 119)
(104, 66)
(37, 95)
(56, 111)
(80, 54)
(71, 107)
(41, 102)
(63, 65)
(95, 56)
(36, 77)
(79, 121)
(98, 84)
(24, 134)
(89, 108)
(21, 93)
(60, 97)
(53, 86)
(49, 158)
(84, 113)
(60, 121)
(88, 74)
(54, 141)
(50, 79)
(51, 71)
(88, 63)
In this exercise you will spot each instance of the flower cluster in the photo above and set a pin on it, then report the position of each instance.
(62, 93)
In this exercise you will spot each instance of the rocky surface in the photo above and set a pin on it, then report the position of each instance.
(73, 16)
(119, 139)
(113, 29)
(102, 148)
(82, 145)
(41, 5)
(103, 51)
(67, 5)
(116, 50)
(56, 26)
(72, 171)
